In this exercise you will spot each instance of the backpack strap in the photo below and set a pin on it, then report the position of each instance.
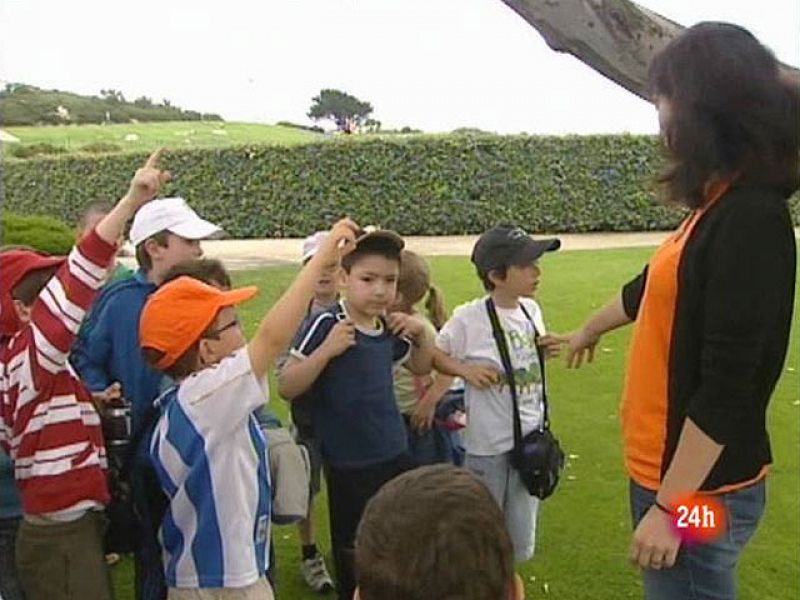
(151, 416)
(505, 357)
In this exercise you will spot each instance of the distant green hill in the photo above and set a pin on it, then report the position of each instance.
(28, 105)
(148, 136)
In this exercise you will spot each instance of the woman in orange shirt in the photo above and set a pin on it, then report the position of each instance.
(711, 311)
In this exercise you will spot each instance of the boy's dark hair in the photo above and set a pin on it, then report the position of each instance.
(372, 246)
(732, 113)
(29, 287)
(207, 270)
(434, 532)
(142, 257)
(500, 272)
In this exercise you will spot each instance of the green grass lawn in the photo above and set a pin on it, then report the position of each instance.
(584, 529)
(177, 134)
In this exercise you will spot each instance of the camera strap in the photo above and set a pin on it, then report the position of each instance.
(505, 358)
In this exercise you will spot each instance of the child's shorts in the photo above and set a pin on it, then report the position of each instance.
(519, 507)
(260, 590)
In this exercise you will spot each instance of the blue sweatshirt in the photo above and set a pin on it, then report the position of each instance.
(107, 348)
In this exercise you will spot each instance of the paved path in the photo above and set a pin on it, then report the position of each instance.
(249, 254)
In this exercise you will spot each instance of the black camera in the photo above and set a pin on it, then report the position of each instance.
(116, 419)
(121, 534)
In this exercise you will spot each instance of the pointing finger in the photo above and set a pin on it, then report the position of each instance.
(152, 161)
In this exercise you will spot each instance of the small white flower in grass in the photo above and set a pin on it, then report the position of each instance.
(571, 478)
(131, 137)
(532, 578)
(606, 349)
(546, 587)
(796, 403)
(574, 456)
(791, 369)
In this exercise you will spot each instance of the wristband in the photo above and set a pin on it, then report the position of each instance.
(663, 508)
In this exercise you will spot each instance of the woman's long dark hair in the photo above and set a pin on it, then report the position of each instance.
(731, 113)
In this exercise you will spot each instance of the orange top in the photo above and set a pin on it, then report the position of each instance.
(646, 395)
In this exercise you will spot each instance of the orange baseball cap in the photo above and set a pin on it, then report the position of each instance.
(177, 314)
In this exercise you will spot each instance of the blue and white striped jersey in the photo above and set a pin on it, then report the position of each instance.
(211, 459)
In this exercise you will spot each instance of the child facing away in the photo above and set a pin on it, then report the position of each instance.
(208, 450)
(344, 357)
(47, 421)
(435, 532)
(506, 262)
(418, 395)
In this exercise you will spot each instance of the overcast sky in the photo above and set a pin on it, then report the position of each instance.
(429, 64)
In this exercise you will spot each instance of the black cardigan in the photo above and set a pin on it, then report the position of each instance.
(736, 282)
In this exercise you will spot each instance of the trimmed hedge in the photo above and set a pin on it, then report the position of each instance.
(42, 233)
(425, 185)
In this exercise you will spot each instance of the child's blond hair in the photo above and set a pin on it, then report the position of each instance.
(415, 282)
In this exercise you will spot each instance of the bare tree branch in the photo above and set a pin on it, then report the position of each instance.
(617, 38)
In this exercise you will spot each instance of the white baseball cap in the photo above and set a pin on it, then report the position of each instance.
(173, 215)
(312, 243)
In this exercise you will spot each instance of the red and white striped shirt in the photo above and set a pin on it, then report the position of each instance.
(48, 424)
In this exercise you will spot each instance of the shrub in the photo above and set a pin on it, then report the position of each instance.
(101, 147)
(28, 151)
(42, 233)
(424, 185)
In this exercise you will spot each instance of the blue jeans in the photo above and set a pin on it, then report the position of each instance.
(436, 445)
(704, 571)
(9, 582)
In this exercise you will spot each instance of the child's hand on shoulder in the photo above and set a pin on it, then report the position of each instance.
(340, 338)
(406, 325)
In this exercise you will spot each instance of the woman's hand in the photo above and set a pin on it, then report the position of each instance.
(580, 346)
(655, 544)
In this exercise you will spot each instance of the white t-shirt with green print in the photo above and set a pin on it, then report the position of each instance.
(467, 336)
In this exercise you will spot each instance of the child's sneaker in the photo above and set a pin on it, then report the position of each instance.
(315, 574)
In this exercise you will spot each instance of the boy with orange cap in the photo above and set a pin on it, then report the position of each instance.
(208, 450)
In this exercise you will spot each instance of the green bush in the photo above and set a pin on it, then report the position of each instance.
(424, 185)
(39, 149)
(101, 147)
(42, 233)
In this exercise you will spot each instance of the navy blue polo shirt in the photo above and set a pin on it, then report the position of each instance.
(355, 413)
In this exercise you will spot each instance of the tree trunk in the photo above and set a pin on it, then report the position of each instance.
(617, 38)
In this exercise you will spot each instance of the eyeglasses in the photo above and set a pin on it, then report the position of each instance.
(216, 332)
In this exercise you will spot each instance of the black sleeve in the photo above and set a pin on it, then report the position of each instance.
(632, 294)
(745, 270)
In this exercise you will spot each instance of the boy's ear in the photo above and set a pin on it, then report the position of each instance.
(23, 311)
(152, 248)
(205, 354)
(342, 276)
(495, 277)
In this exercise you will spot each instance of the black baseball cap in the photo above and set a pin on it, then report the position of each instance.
(505, 246)
(385, 238)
